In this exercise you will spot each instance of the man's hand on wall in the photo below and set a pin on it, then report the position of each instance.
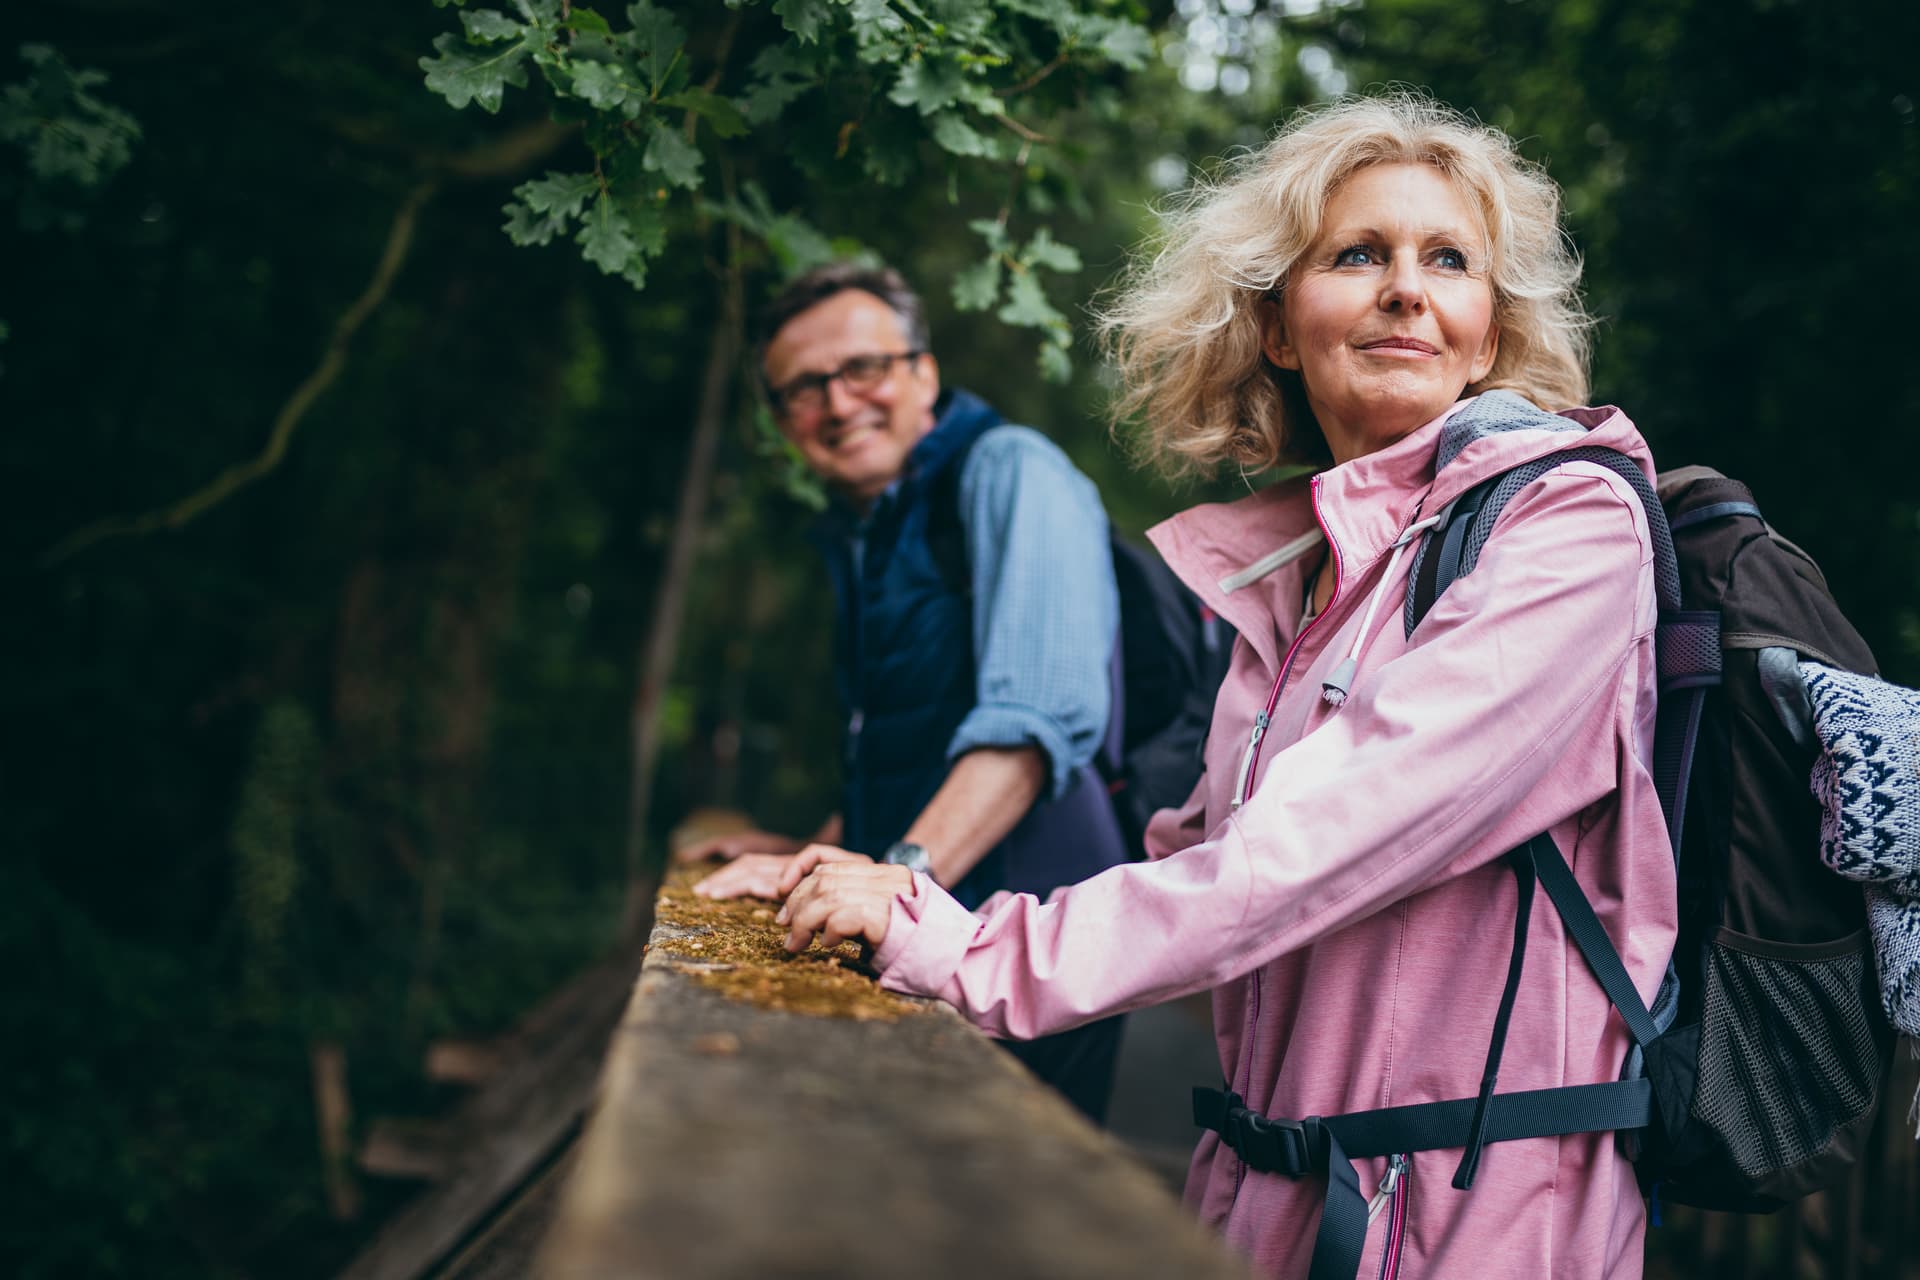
(737, 843)
(759, 875)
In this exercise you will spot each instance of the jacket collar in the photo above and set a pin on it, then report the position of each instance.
(1363, 505)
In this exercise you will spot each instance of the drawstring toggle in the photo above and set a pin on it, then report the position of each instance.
(1335, 688)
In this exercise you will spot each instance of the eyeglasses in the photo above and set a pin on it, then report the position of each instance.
(806, 395)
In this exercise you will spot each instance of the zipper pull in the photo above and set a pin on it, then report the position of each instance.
(1260, 723)
(1396, 1165)
(856, 721)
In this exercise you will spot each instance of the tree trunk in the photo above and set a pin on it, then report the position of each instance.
(670, 601)
(333, 1116)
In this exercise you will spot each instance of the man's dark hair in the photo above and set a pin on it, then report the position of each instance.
(823, 282)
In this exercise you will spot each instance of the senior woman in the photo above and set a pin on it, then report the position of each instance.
(1383, 290)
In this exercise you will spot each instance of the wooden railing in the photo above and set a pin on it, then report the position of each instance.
(766, 1116)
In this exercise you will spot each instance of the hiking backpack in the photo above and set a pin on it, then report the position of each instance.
(1754, 1077)
(1172, 655)
(1769, 1045)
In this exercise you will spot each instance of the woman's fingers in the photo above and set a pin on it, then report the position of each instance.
(808, 915)
(810, 857)
(751, 875)
(842, 900)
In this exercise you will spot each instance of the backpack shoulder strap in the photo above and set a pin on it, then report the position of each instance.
(946, 531)
(1438, 561)
(1688, 644)
(1454, 545)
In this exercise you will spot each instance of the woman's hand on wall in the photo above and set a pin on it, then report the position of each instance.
(839, 897)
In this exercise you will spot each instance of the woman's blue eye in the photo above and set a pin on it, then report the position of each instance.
(1358, 256)
(1452, 259)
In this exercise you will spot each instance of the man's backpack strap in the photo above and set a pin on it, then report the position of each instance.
(946, 533)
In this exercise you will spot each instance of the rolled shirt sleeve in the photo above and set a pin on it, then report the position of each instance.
(1046, 610)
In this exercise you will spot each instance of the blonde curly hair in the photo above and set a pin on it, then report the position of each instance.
(1183, 326)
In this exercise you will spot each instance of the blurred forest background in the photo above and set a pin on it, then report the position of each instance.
(342, 752)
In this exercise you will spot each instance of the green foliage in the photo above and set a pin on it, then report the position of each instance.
(72, 140)
(1025, 303)
(544, 208)
(912, 91)
(796, 244)
(273, 816)
(462, 75)
(779, 76)
(788, 469)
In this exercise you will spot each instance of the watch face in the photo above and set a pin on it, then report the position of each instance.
(905, 853)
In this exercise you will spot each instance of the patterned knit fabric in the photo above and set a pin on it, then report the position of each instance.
(1867, 779)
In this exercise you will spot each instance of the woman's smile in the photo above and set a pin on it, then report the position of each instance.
(1388, 317)
(1401, 348)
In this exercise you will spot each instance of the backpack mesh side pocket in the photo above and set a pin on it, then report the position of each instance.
(1790, 1058)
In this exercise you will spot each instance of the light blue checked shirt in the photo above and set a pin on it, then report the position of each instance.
(1045, 608)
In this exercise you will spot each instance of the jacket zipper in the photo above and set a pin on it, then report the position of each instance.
(1394, 1187)
(1244, 785)
(857, 715)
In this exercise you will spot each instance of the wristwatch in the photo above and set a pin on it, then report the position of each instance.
(905, 853)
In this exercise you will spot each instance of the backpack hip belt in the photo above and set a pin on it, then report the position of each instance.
(1329, 1145)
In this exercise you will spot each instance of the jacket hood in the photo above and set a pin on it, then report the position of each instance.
(1229, 553)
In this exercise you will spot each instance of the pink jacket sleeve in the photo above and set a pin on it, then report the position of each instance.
(1446, 755)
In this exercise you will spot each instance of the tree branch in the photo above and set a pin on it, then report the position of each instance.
(720, 56)
(332, 360)
(505, 156)
(1025, 134)
(1059, 60)
(656, 658)
(1013, 184)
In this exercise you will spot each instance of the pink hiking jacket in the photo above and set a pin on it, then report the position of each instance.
(1352, 916)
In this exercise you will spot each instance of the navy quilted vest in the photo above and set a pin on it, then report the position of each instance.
(903, 662)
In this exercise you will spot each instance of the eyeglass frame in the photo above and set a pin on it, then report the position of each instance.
(781, 397)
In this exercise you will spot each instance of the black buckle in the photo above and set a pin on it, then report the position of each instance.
(1271, 1146)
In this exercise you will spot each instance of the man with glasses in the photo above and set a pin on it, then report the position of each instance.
(977, 618)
